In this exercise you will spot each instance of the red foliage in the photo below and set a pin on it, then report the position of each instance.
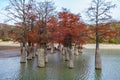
(32, 36)
(106, 31)
(70, 24)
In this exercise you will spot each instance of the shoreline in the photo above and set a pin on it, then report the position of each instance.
(102, 46)
(9, 43)
(86, 46)
(12, 49)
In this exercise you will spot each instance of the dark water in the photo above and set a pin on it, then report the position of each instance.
(57, 69)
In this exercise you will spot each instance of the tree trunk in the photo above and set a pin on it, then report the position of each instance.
(60, 48)
(30, 55)
(63, 51)
(80, 48)
(52, 48)
(41, 58)
(37, 52)
(34, 50)
(66, 54)
(71, 60)
(23, 55)
(46, 57)
(97, 54)
(97, 60)
(76, 51)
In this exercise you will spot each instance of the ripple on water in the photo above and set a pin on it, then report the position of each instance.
(57, 69)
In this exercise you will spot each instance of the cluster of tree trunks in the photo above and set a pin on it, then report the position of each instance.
(30, 52)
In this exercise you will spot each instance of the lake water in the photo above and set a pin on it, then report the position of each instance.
(57, 69)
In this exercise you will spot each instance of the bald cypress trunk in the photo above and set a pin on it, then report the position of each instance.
(97, 60)
(30, 55)
(23, 55)
(97, 53)
(80, 48)
(71, 60)
(46, 56)
(33, 51)
(76, 51)
(66, 54)
(41, 58)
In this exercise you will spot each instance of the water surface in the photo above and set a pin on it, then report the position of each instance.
(57, 68)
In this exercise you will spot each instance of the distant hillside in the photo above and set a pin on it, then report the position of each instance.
(4, 31)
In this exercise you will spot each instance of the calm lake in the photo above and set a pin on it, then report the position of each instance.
(57, 69)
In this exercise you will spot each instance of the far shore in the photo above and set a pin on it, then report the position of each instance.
(86, 46)
(12, 49)
(102, 46)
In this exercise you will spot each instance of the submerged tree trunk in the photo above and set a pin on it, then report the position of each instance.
(80, 49)
(97, 54)
(52, 48)
(46, 57)
(34, 50)
(37, 51)
(60, 47)
(76, 51)
(66, 54)
(30, 55)
(23, 55)
(71, 60)
(97, 60)
(63, 50)
(41, 58)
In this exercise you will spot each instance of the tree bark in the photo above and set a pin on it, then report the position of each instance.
(97, 61)
(23, 55)
(71, 60)
(37, 52)
(80, 50)
(30, 55)
(41, 58)
(76, 51)
(34, 50)
(97, 54)
(60, 48)
(46, 57)
(63, 51)
(66, 54)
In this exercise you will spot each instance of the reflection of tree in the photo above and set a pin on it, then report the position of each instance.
(41, 74)
(98, 75)
(21, 72)
(69, 75)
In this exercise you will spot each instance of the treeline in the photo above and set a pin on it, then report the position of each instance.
(115, 40)
(5, 32)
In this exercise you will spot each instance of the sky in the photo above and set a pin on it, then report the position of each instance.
(75, 6)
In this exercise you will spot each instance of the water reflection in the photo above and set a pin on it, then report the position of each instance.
(98, 74)
(57, 69)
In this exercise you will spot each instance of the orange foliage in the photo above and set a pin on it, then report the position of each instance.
(70, 24)
(32, 36)
(106, 31)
